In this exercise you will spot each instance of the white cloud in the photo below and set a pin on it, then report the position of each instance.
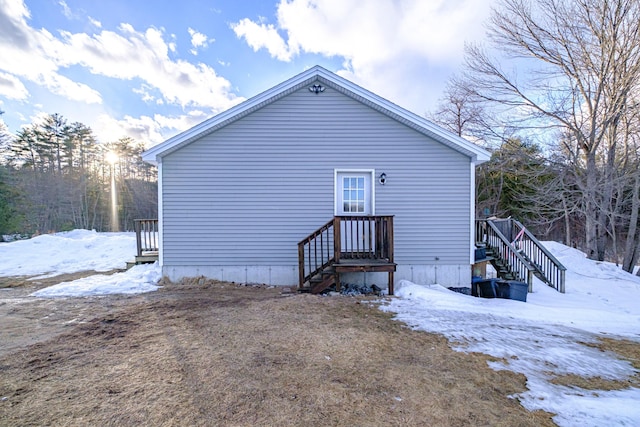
(66, 11)
(11, 87)
(179, 123)
(79, 15)
(32, 55)
(361, 33)
(149, 130)
(145, 93)
(38, 115)
(95, 22)
(15, 9)
(198, 41)
(263, 36)
(388, 48)
(61, 85)
(125, 54)
(144, 128)
(130, 54)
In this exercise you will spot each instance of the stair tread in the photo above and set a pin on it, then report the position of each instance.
(321, 286)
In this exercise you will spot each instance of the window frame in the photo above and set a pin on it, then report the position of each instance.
(338, 191)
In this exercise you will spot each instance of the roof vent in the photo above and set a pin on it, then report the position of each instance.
(316, 89)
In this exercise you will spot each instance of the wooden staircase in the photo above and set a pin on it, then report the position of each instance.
(346, 244)
(503, 269)
(321, 281)
(516, 254)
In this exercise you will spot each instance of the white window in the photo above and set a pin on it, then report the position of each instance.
(354, 192)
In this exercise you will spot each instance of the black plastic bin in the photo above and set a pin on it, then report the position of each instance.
(512, 289)
(485, 288)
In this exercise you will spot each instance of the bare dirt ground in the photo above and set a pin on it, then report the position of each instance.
(219, 354)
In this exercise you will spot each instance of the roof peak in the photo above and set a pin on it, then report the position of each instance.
(155, 154)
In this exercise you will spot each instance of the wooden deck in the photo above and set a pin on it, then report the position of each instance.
(346, 244)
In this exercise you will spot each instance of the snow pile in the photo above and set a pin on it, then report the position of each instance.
(545, 337)
(138, 279)
(80, 250)
(49, 255)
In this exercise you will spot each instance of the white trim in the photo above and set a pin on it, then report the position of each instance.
(160, 218)
(371, 172)
(477, 154)
(472, 214)
(373, 191)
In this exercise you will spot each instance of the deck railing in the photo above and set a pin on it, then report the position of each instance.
(366, 237)
(315, 252)
(517, 263)
(552, 271)
(146, 236)
(522, 251)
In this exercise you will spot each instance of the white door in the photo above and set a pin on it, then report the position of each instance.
(354, 197)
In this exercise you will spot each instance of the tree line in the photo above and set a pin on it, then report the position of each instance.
(556, 94)
(55, 176)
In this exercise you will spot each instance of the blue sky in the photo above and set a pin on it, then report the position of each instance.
(151, 69)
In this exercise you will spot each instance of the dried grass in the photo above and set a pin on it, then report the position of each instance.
(628, 350)
(214, 354)
(594, 383)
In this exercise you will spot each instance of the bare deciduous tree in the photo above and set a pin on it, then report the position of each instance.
(578, 73)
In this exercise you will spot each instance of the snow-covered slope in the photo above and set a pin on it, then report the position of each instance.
(546, 336)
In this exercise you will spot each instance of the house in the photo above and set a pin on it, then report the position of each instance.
(241, 190)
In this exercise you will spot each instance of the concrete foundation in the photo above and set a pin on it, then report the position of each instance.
(445, 275)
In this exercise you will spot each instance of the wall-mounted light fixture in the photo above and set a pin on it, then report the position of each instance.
(383, 178)
(316, 89)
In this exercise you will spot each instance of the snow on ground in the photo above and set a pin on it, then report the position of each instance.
(138, 279)
(545, 337)
(50, 255)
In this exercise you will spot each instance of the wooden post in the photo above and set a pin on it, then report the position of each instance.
(336, 239)
(390, 227)
(300, 265)
(137, 224)
(379, 241)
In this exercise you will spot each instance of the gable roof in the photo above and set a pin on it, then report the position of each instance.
(320, 75)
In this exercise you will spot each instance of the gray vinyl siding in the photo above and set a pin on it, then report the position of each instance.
(248, 192)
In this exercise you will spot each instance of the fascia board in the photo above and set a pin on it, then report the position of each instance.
(478, 154)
